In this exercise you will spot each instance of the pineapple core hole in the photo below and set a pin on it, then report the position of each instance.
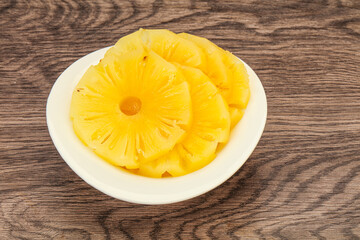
(130, 106)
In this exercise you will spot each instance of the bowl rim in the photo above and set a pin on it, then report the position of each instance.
(55, 131)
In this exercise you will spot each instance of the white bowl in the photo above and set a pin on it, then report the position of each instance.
(137, 189)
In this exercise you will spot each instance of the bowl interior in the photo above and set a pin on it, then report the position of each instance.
(137, 189)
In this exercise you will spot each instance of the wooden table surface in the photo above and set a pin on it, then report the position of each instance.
(301, 182)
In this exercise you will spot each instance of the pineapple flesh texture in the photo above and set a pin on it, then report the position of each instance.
(131, 109)
(210, 126)
(213, 66)
(227, 72)
(165, 43)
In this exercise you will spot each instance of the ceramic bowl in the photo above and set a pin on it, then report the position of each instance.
(122, 185)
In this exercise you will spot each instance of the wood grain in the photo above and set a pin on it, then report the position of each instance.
(301, 182)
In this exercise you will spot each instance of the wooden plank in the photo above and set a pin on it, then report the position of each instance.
(301, 182)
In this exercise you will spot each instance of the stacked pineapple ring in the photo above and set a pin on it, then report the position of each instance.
(160, 103)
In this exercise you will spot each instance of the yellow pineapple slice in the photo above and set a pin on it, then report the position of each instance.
(213, 66)
(227, 72)
(171, 163)
(235, 115)
(131, 108)
(165, 43)
(239, 94)
(126, 44)
(175, 49)
(211, 125)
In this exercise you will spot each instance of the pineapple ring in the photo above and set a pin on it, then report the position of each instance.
(214, 66)
(211, 125)
(227, 72)
(129, 117)
(165, 43)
